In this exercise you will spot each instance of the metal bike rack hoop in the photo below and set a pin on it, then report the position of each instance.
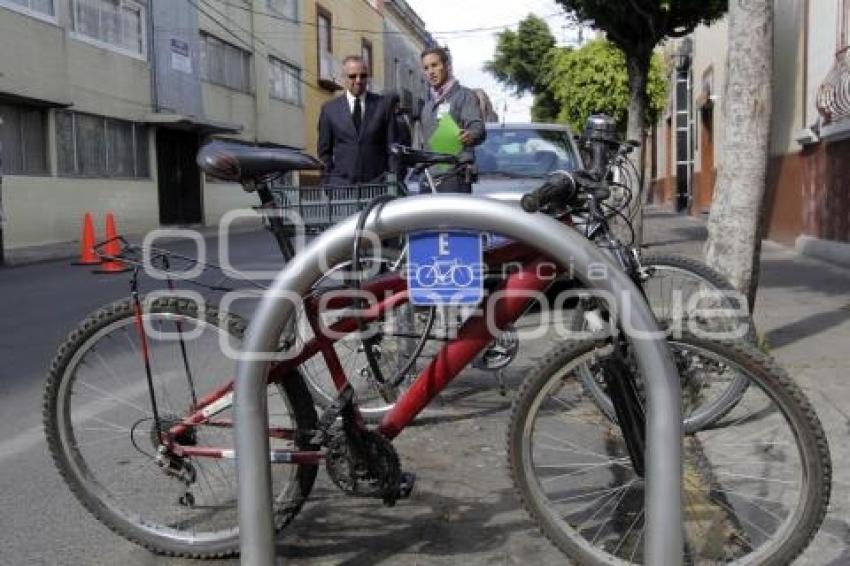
(664, 541)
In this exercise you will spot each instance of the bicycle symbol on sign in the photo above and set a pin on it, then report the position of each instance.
(445, 273)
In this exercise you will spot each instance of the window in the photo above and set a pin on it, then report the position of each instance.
(366, 54)
(23, 140)
(286, 8)
(285, 81)
(324, 49)
(225, 64)
(117, 23)
(325, 43)
(40, 7)
(94, 146)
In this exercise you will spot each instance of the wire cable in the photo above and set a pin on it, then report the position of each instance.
(479, 29)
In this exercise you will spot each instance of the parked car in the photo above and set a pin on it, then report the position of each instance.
(516, 157)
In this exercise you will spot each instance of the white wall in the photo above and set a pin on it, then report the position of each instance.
(788, 96)
(710, 52)
(46, 210)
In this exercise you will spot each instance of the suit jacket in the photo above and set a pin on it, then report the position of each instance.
(350, 156)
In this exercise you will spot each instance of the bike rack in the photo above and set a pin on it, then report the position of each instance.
(664, 540)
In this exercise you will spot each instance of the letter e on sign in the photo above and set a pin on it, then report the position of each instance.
(444, 243)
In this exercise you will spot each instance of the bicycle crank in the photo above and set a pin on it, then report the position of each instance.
(364, 463)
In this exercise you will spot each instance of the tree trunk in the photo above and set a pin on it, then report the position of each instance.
(734, 224)
(637, 65)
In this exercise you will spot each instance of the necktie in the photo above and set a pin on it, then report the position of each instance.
(357, 114)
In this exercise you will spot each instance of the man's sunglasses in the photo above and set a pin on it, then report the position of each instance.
(355, 75)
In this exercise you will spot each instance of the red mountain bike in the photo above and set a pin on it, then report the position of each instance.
(139, 403)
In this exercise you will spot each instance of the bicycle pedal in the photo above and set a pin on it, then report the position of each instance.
(405, 485)
(187, 499)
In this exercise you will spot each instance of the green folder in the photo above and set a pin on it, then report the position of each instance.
(446, 138)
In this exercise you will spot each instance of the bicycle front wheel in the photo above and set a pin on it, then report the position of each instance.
(677, 289)
(756, 484)
(101, 433)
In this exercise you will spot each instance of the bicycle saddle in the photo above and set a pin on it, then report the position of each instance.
(236, 162)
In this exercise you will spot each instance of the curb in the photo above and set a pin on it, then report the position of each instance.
(827, 250)
(59, 251)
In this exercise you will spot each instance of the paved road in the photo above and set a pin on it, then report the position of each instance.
(464, 509)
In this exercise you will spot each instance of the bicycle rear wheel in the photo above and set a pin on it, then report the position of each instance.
(400, 344)
(756, 483)
(101, 435)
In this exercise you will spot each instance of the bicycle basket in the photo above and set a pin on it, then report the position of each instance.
(323, 206)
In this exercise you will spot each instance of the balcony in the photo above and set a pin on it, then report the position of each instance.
(833, 99)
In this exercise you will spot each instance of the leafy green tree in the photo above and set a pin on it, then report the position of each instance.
(594, 79)
(519, 57)
(637, 27)
(544, 107)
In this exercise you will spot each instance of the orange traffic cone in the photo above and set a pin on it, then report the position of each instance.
(112, 248)
(87, 255)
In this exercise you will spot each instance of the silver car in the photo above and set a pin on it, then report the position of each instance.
(515, 158)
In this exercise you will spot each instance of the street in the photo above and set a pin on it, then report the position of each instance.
(464, 508)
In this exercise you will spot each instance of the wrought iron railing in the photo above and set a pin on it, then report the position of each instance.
(833, 100)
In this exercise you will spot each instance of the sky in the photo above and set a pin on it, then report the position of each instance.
(471, 49)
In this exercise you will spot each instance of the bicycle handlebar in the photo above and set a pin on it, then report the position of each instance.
(564, 188)
(410, 156)
(559, 187)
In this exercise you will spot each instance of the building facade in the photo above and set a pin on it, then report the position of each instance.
(104, 103)
(332, 30)
(405, 37)
(807, 202)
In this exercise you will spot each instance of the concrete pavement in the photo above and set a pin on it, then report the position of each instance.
(803, 311)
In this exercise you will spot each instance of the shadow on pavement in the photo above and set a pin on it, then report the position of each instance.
(806, 327)
(364, 532)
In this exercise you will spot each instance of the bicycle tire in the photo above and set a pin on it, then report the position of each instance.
(658, 267)
(708, 274)
(68, 410)
(721, 522)
(395, 348)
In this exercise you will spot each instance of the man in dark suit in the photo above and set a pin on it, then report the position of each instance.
(356, 130)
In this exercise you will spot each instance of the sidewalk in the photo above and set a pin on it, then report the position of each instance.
(16, 257)
(803, 311)
(464, 509)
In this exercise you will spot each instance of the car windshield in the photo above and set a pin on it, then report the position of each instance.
(525, 152)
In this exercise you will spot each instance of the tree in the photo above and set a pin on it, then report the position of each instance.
(637, 27)
(520, 62)
(594, 79)
(735, 224)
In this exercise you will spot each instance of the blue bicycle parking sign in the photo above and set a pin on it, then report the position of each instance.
(445, 268)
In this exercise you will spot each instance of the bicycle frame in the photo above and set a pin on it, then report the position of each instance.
(566, 247)
(473, 337)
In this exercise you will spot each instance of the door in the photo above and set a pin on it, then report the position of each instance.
(707, 173)
(179, 178)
